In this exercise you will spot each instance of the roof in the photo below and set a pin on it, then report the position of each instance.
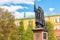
(57, 32)
(34, 17)
(24, 18)
(52, 15)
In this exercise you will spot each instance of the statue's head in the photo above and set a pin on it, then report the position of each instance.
(40, 9)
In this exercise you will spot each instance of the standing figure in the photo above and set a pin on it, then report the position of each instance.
(39, 16)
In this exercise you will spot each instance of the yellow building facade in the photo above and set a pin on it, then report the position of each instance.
(26, 22)
(54, 19)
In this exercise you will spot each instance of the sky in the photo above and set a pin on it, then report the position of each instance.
(19, 7)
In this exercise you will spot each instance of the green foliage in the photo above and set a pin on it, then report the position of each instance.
(51, 34)
(7, 26)
(21, 30)
(29, 33)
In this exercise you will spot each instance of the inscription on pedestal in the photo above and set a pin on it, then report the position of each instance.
(37, 36)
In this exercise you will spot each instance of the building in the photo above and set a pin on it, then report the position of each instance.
(54, 19)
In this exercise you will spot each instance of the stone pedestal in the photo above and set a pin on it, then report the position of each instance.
(40, 34)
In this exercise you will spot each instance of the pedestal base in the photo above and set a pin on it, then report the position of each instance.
(40, 34)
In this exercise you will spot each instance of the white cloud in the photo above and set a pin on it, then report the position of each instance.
(19, 15)
(51, 9)
(30, 14)
(13, 8)
(17, 1)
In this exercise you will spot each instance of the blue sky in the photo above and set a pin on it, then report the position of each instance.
(18, 7)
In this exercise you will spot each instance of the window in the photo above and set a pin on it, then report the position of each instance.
(56, 27)
(30, 22)
(37, 36)
(59, 19)
(55, 20)
(44, 35)
(17, 23)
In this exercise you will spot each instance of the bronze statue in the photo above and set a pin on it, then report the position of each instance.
(39, 16)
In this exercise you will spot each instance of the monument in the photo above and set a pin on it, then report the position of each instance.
(40, 32)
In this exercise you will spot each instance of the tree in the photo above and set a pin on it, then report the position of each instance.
(21, 30)
(29, 32)
(8, 30)
(51, 34)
